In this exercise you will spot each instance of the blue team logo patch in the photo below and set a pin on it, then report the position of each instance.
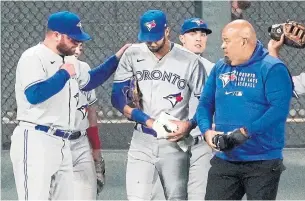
(227, 77)
(174, 99)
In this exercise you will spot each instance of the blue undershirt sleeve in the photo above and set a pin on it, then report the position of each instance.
(41, 91)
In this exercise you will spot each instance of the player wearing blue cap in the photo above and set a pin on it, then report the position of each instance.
(48, 83)
(193, 36)
(167, 76)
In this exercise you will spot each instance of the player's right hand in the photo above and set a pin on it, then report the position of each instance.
(209, 137)
(69, 68)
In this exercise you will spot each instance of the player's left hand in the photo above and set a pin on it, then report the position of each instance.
(100, 169)
(122, 50)
(275, 46)
(184, 127)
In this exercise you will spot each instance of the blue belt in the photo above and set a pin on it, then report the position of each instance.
(146, 130)
(152, 132)
(60, 133)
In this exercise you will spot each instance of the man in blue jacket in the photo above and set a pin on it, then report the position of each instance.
(248, 94)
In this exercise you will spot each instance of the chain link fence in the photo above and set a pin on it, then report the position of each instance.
(113, 23)
(262, 14)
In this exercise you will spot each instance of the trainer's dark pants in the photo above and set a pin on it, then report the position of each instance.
(232, 180)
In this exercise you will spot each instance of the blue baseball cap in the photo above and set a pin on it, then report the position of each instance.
(194, 23)
(68, 23)
(152, 26)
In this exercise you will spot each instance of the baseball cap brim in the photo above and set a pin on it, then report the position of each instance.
(206, 30)
(80, 37)
(150, 37)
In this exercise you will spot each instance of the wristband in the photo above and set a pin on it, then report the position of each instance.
(139, 116)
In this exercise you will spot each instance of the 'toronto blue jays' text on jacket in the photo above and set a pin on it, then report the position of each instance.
(255, 95)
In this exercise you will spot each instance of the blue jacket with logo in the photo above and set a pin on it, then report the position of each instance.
(255, 95)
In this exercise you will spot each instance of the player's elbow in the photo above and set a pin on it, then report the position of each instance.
(118, 99)
(32, 96)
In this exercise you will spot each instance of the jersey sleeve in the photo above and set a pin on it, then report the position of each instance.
(299, 83)
(31, 71)
(84, 69)
(197, 78)
(207, 65)
(91, 97)
(124, 71)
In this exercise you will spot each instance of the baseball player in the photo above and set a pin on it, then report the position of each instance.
(47, 90)
(194, 34)
(299, 80)
(167, 75)
(193, 37)
(88, 165)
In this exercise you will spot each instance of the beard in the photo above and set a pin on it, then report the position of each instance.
(227, 60)
(65, 50)
(157, 49)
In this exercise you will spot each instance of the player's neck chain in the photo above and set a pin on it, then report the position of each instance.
(169, 49)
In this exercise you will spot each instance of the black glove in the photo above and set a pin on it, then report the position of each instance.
(227, 142)
(100, 174)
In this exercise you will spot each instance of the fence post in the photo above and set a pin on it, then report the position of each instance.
(217, 14)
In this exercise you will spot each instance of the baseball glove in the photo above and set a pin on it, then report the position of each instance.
(100, 174)
(133, 94)
(294, 33)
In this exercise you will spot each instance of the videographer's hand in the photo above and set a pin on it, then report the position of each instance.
(275, 46)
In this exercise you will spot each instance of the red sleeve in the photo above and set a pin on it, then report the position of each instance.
(94, 139)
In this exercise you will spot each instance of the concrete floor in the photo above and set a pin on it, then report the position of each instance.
(292, 184)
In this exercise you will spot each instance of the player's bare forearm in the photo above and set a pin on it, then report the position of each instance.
(92, 116)
(127, 111)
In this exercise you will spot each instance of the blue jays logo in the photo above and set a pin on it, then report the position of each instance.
(150, 25)
(198, 21)
(227, 77)
(84, 110)
(174, 99)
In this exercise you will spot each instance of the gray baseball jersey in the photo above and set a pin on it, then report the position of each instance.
(200, 159)
(194, 100)
(167, 85)
(299, 83)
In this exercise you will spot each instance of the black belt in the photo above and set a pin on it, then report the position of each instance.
(60, 133)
